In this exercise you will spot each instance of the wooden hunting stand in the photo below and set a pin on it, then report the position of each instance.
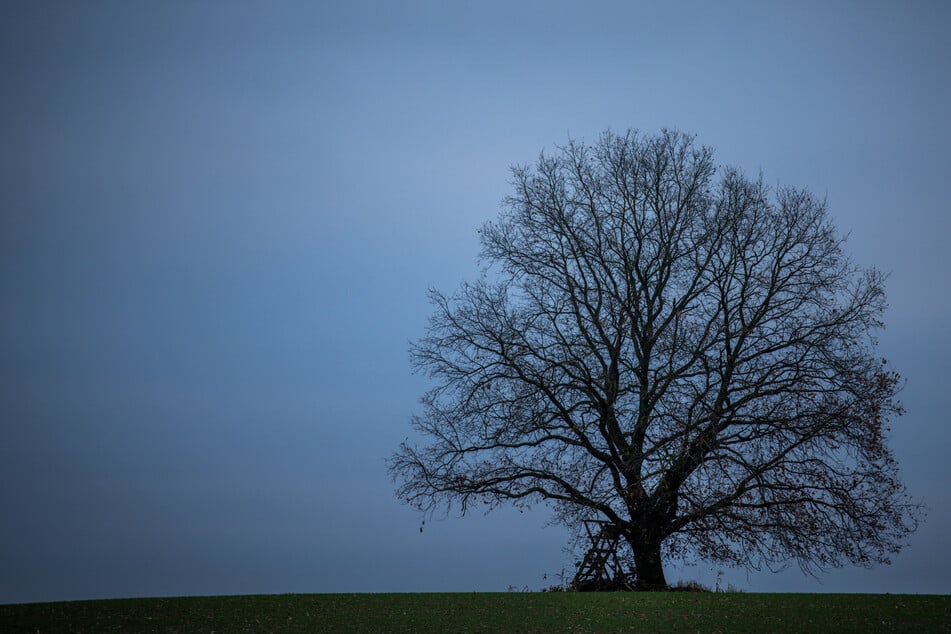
(600, 569)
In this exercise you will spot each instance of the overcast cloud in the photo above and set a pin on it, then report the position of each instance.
(219, 220)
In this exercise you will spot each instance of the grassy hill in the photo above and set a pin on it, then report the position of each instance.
(486, 612)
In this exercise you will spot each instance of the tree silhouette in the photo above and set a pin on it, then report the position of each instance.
(673, 348)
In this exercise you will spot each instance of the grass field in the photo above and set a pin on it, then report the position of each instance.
(514, 612)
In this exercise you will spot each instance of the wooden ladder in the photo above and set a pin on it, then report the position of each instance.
(600, 564)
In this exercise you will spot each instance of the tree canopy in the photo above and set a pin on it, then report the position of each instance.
(671, 347)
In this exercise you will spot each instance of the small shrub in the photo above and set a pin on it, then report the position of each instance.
(689, 586)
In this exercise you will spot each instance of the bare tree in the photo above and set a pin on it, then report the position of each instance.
(671, 347)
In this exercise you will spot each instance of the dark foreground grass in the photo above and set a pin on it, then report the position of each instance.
(511, 612)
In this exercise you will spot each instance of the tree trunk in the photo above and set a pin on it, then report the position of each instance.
(649, 568)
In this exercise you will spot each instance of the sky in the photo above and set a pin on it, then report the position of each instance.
(219, 222)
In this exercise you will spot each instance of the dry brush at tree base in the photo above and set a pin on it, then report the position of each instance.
(672, 348)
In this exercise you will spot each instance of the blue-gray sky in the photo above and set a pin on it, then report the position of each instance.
(219, 222)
